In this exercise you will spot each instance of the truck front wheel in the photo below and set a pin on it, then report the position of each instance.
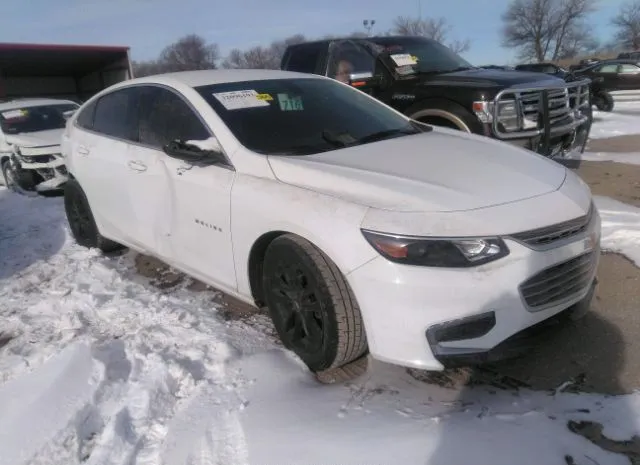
(445, 114)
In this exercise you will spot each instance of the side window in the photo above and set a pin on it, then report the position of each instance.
(304, 59)
(628, 69)
(347, 58)
(85, 118)
(114, 114)
(607, 69)
(165, 117)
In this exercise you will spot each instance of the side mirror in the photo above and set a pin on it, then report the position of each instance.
(363, 80)
(205, 152)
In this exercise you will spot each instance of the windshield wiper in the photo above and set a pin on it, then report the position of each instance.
(380, 135)
(343, 139)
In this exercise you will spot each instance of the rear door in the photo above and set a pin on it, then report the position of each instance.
(99, 150)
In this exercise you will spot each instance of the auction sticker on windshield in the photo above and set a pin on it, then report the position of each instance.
(404, 59)
(12, 114)
(290, 102)
(241, 99)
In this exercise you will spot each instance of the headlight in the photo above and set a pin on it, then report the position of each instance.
(437, 251)
(507, 113)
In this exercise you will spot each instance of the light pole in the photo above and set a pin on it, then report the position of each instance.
(368, 25)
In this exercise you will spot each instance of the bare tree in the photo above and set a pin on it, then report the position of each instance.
(260, 57)
(434, 28)
(627, 24)
(190, 52)
(541, 29)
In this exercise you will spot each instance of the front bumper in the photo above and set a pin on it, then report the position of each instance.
(50, 168)
(402, 304)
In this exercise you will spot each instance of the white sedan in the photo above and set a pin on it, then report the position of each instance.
(361, 230)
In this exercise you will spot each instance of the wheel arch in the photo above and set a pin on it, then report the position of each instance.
(448, 110)
(255, 264)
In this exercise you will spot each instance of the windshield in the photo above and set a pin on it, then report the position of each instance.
(431, 55)
(303, 116)
(35, 118)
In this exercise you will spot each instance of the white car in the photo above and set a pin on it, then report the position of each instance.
(360, 229)
(30, 134)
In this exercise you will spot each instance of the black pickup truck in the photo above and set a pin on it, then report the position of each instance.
(430, 83)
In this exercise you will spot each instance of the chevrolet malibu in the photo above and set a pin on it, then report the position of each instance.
(361, 230)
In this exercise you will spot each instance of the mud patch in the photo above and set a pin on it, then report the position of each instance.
(592, 431)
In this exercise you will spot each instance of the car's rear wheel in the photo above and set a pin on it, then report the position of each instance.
(81, 222)
(311, 304)
(604, 102)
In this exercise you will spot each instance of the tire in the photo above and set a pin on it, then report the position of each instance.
(440, 112)
(81, 222)
(19, 181)
(296, 274)
(604, 102)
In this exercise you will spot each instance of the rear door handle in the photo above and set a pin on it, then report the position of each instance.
(82, 150)
(137, 166)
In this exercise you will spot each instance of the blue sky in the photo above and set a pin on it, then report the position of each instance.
(148, 25)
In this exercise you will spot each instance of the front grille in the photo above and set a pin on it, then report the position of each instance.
(38, 158)
(560, 282)
(559, 108)
(549, 234)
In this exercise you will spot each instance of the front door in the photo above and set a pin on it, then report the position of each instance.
(184, 210)
(628, 77)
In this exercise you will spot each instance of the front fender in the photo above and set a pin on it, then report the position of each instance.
(260, 206)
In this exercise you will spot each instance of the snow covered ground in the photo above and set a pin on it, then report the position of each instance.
(623, 120)
(103, 368)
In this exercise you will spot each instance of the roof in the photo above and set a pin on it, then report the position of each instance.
(30, 102)
(18, 60)
(218, 76)
(386, 40)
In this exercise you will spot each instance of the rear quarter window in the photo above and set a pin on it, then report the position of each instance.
(86, 115)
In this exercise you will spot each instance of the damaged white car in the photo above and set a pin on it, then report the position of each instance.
(30, 135)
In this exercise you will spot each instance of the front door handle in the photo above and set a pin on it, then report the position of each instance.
(137, 166)
(82, 150)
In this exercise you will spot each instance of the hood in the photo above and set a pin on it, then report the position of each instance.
(481, 77)
(36, 139)
(443, 170)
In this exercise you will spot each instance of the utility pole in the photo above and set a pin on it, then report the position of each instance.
(368, 25)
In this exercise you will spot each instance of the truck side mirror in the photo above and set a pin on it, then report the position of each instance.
(363, 80)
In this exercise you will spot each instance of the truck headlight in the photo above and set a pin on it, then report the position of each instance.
(507, 113)
(437, 251)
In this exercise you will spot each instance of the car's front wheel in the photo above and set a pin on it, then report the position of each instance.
(81, 222)
(311, 304)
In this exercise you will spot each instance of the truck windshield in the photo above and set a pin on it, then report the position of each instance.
(431, 55)
(35, 118)
(303, 116)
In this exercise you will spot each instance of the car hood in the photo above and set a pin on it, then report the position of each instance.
(36, 139)
(481, 77)
(443, 170)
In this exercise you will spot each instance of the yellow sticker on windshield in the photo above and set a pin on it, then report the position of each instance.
(266, 97)
(414, 58)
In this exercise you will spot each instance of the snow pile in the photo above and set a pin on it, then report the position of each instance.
(628, 158)
(103, 368)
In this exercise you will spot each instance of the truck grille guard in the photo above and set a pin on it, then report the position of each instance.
(548, 111)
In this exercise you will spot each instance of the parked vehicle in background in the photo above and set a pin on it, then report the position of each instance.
(30, 137)
(630, 56)
(359, 228)
(614, 75)
(547, 68)
(584, 64)
(430, 83)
